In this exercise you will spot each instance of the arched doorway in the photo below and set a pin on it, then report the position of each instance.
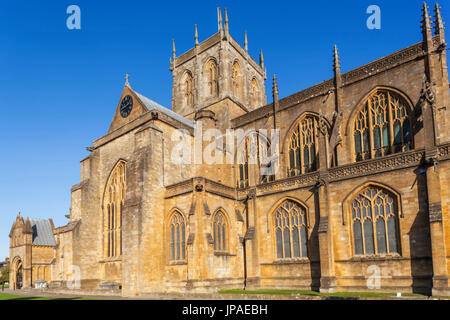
(18, 275)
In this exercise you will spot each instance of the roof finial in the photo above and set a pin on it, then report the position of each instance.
(337, 64)
(275, 89)
(173, 50)
(226, 22)
(127, 84)
(219, 19)
(246, 42)
(261, 59)
(438, 23)
(426, 24)
(196, 36)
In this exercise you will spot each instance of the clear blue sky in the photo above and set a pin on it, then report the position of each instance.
(59, 88)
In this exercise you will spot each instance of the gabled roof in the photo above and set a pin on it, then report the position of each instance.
(42, 232)
(152, 105)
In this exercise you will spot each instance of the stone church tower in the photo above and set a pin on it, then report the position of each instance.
(217, 75)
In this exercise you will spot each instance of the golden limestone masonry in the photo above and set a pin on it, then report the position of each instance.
(355, 196)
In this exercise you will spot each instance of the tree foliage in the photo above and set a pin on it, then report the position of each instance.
(4, 274)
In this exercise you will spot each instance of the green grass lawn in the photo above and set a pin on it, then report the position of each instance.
(8, 296)
(315, 293)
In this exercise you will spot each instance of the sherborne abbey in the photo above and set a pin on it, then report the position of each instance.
(361, 180)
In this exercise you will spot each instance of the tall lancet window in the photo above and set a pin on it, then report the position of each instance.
(255, 94)
(113, 206)
(188, 89)
(211, 70)
(382, 126)
(177, 237)
(303, 147)
(237, 80)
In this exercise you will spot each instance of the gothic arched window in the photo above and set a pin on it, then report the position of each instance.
(113, 205)
(303, 147)
(177, 237)
(291, 230)
(255, 94)
(220, 231)
(374, 214)
(211, 70)
(243, 164)
(237, 80)
(382, 126)
(188, 89)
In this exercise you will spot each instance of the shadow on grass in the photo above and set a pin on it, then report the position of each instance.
(327, 296)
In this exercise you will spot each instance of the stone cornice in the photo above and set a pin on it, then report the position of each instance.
(368, 167)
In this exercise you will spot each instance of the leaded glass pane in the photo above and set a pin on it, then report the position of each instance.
(385, 136)
(295, 243)
(406, 131)
(306, 156)
(303, 241)
(357, 236)
(381, 236)
(219, 237)
(397, 133)
(182, 241)
(291, 160)
(392, 232)
(366, 143)
(368, 237)
(215, 237)
(358, 142)
(377, 137)
(223, 237)
(287, 243)
(279, 244)
(172, 242)
(177, 241)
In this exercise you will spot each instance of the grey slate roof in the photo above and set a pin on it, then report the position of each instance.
(152, 105)
(42, 232)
